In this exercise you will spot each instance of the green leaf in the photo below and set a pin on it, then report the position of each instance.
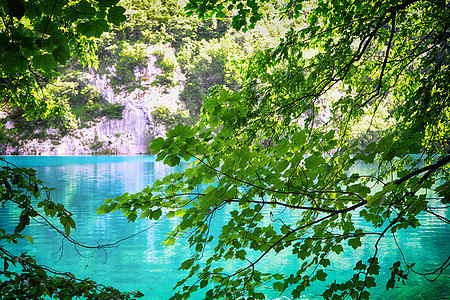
(24, 221)
(132, 216)
(379, 197)
(67, 229)
(106, 208)
(375, 200)
(137, 294)
(14, 61)
(116, 15)
(72, 222)
(85, 8)
(325, 262)
(156, 145)
(61, 54)
(279, 286)
(172, 160)
(278, 276)
(93, 28)
(47, 7)
(44, 62)
(30, 239)
(329, 135)
(299, 138)
(99, 26)
(360, 266)
(156, 214)
(321, 275)
(314, 161)
(180, 212)
(220, 15)
(170, 241)
(281, 166)
(370, 282)
(59, 39)
(33, 10)
(338, 249)
(390, 284)
(71, 15)
(374, 269)
(186, 265)
(240, 254)
(178, 130)
(354, 243)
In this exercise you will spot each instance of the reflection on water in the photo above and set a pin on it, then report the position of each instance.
(141, 263)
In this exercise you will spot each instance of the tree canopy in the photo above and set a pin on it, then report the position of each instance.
(283, 140)
(38, 36)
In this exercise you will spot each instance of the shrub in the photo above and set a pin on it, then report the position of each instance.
(167, 61)
(131, 58)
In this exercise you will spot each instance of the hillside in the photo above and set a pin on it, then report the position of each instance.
(153, 71)
(135, 94)
(118, 121)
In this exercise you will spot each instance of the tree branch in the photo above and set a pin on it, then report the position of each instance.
(429, 169)
(386, 57)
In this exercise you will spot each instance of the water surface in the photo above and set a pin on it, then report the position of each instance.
(141, 263)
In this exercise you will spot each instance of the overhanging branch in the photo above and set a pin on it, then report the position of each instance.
(429, 169)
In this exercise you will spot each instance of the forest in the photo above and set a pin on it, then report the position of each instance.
(280, 102)
(205, 52)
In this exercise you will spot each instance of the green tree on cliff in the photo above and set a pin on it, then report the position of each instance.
(272, 145)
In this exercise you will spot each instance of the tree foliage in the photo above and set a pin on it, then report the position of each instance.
(201, 49)
(35, 38)
(79, 104)
(273, 145)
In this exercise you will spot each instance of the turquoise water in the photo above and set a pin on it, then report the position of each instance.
(141, 263)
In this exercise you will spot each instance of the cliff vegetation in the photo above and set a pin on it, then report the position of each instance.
(153, 71)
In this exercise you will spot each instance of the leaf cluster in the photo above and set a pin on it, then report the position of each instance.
(38, 36)
(35, 38)
(271, 149)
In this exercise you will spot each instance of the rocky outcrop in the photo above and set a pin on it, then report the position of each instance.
(130, 135)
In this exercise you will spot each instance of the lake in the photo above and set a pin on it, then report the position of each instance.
(141, 263)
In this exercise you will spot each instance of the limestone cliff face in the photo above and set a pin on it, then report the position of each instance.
(131, 135)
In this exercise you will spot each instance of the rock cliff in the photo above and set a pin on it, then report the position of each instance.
(130, 135)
